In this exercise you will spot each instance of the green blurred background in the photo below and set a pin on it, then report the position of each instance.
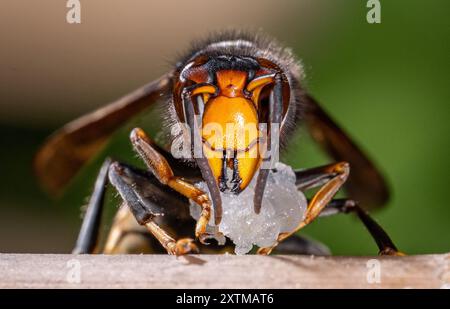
(386, 84)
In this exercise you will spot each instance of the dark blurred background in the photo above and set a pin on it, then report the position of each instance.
(386, 84)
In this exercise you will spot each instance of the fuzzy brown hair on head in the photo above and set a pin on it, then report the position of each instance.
(254, 45)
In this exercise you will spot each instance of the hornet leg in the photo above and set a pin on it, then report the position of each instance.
(136, 191)
(331, 178)
(88, 235)
(163, 172)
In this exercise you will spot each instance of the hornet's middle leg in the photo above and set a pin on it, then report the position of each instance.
(146, 199)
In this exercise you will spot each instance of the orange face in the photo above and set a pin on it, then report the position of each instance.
(230, 132)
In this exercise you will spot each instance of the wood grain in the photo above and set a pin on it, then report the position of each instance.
(220, 271)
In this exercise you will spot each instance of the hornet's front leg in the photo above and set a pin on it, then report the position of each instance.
(339, 173)
(159, 166)
(331, 178)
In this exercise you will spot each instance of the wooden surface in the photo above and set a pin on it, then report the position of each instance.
(221, 271)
